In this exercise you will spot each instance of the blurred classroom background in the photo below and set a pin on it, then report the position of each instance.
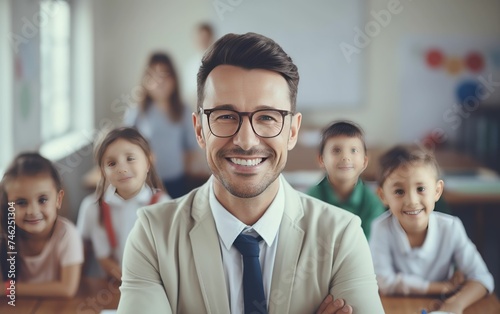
(422, 72)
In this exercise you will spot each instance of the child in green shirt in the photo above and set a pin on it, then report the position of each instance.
(342, 154)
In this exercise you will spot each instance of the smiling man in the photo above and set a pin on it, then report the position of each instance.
(246, 241)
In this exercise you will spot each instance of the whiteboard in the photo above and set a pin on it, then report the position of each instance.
(429, 95)
(311, 33)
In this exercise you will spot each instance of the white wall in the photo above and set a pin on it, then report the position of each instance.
(6, 121)
(381, 110)
(25, 50)
(126, 33)
(20, 23)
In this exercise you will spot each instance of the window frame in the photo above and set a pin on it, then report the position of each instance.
(81, 132)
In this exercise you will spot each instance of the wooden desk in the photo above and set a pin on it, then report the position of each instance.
(450, 161)
(306, 158)
(24, 305)
(409, 305)
(95, 295)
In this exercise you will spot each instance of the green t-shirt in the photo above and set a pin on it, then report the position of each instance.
(362, 201)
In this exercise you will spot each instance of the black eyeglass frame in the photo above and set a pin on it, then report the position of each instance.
(250, 115)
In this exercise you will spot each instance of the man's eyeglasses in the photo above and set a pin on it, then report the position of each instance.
(265, 123)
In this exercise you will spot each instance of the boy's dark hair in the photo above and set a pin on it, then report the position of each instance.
(404, 156)
(339, 128)
(249, 51)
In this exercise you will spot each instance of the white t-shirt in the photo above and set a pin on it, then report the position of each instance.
(401, 269)
(64, 248)
(83, 226)
(123, 217)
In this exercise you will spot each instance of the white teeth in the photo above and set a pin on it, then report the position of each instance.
(415, 212)
(246, 162)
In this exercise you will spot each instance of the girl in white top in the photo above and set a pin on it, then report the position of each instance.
(41, 252)
(128, 182)
(417, 251)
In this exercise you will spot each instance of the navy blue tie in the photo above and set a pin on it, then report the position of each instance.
(253, 288)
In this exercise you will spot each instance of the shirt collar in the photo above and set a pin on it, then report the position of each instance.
(229, 227)
(353, 202)
(112, 198)
(429, 242)
(404, 243)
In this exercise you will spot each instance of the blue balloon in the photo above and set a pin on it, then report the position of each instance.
(466, 89)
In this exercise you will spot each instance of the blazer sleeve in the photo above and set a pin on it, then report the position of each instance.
(142, 289)
(353, 274)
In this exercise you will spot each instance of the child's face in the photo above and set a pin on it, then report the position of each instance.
(343, 158)
(411, 193)
(125, 167)
(37, 201)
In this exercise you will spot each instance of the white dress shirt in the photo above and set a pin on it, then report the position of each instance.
(401, 269)
(229, 227)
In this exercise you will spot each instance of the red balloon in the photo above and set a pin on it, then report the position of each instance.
(434, 58)
(474, 61)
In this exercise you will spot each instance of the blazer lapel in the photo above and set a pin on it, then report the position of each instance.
(207, 255)
(287, 254)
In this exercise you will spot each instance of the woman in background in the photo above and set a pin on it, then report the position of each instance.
(166, 123)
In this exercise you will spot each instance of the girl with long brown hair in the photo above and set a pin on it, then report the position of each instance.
(128, 182)
(166, 123)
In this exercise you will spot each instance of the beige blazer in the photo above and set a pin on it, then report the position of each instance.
(173, 264)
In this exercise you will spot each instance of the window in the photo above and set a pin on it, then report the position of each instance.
(55, 96)
(6, 142)
(54, 40)
(66, 71)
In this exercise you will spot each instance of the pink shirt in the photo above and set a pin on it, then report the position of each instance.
(64, 248)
